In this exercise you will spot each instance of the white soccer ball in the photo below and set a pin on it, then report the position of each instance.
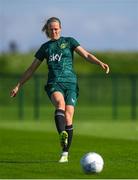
(92, 163)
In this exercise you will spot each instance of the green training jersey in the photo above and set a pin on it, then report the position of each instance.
(59, 56)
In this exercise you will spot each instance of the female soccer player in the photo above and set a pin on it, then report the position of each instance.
(61, 86)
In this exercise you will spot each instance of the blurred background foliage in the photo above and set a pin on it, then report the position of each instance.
(112, 96)
(119, 62)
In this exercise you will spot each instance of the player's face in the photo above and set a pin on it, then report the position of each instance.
(54, 30)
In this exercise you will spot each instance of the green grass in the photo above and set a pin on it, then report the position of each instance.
(31, 149)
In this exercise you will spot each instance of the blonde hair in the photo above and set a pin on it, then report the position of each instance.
(52, 19)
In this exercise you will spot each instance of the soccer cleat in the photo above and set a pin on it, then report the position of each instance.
(63, 138)
(64, 157)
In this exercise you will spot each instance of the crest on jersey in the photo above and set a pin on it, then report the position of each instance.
(63, 45)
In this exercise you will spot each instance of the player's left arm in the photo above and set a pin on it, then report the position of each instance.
(91, 58)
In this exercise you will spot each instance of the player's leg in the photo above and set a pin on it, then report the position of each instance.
(69, 112)
(55, 94)
(59, 103)
(71, 96)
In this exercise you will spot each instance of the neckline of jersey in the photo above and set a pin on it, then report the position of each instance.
(56, 39)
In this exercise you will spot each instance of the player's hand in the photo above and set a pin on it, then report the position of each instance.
(14, 91)
(106, 67)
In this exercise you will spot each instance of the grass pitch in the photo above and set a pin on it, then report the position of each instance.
(31, 150)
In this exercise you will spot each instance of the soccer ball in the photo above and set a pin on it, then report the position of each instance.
(92, 163)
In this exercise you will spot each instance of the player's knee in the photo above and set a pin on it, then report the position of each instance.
(60, 105)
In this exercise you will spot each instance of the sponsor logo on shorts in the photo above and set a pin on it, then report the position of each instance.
(73, 100)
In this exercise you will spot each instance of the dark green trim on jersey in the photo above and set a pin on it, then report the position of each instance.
(59, 56)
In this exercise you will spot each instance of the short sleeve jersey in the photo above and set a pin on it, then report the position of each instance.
(59, 56)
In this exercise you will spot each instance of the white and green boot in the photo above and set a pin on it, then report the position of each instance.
(64, 157)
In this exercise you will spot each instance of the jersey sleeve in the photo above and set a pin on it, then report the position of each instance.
(40, 54)
(73, 43)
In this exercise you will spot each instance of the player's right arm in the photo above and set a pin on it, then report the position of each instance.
(26, 76)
